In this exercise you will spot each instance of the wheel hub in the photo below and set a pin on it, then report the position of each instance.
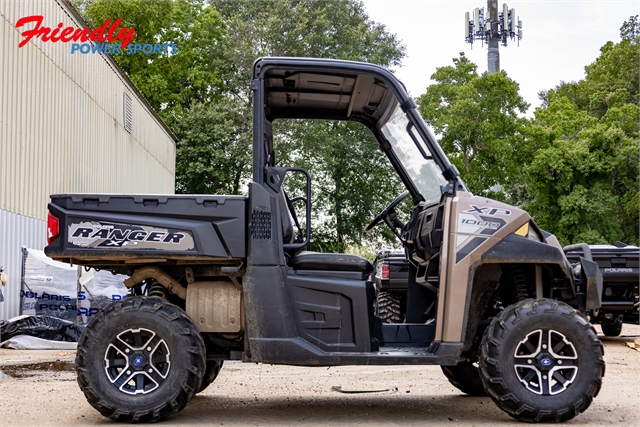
(546, 362)
(137, 361)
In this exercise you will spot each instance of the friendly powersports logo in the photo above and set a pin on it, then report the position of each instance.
(108, 39)
(106, 235)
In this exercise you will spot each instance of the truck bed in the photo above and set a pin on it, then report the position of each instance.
(101, 230)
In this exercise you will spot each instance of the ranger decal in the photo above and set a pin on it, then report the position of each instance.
(99, 234)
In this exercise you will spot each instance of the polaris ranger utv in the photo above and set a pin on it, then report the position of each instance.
(216, 277)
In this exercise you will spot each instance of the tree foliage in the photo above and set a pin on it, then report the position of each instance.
(213, 154)
(583, 180)
(352, 180)
(480, 123)
(170, 82)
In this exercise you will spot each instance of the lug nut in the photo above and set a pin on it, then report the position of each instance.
(559, 362)
(128, 372)
(150, 371)
(544, 346)
(544, 377)
(148, 348)
(529, 361)
(126, 350)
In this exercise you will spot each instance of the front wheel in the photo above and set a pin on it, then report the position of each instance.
(541, 361)
(612, 328)
(210, 374)
(141, 359)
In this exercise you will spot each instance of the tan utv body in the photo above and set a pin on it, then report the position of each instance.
(490, 297)
(477, 225)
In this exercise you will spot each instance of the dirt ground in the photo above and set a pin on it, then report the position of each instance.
(267, 395)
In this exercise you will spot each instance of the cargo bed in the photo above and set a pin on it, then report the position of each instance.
(103, 230)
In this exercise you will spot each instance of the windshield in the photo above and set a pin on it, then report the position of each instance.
(413, 154)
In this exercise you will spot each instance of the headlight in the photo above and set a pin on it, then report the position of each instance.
(528, 232)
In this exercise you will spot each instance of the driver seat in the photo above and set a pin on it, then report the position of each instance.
(320, 261)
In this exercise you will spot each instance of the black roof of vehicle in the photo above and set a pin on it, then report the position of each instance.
(329, 89)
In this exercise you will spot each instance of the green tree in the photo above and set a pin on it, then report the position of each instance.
(480, 123)
(171, 81)
(352, 180)
(583, 181)
(212, 155)
(613, 78)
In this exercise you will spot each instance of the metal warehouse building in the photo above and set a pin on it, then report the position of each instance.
(69, 123)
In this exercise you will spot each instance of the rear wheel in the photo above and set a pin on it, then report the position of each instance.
(465, 376)
(140, 360)
(540, 361)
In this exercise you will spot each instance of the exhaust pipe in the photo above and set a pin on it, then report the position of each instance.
(160, 276)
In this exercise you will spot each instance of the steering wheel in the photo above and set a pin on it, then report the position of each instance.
(388, 216)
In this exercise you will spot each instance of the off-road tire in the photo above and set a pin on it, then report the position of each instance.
(178, 353)
(388, 307)
(211, 372)
(511, 330)
(465, 376)
(611, 329)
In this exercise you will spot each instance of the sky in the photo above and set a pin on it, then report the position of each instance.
(559, 38)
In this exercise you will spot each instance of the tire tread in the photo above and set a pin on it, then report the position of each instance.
(172, 404)
(491, 376)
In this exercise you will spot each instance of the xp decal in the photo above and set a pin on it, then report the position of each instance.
(491, 211)
(98, 234)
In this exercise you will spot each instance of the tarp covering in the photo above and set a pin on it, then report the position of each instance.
(26, 342)
(49, 288)
(96, 289)
(45, 327)
(52, 288)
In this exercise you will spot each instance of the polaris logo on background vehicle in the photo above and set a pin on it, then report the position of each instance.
(618, 270)
(102, 235)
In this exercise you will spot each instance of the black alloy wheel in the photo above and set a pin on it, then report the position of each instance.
(141, 359)
(541, 361)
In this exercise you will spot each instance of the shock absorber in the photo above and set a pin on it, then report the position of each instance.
(155, 289)
(520, 290)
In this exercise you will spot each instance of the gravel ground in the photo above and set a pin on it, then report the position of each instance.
(268, 395)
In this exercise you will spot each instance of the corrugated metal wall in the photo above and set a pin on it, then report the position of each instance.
(61, 130)
(61, 122)
(32, 235)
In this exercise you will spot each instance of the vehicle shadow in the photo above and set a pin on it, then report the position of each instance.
(387, 409)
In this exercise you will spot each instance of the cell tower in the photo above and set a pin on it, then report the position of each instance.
(493, 28)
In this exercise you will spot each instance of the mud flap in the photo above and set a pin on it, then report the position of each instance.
(591, 276)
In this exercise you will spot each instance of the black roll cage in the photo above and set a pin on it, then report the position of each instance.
(263, 154)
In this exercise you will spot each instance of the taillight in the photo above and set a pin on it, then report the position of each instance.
(385, 271)
(53, 231)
